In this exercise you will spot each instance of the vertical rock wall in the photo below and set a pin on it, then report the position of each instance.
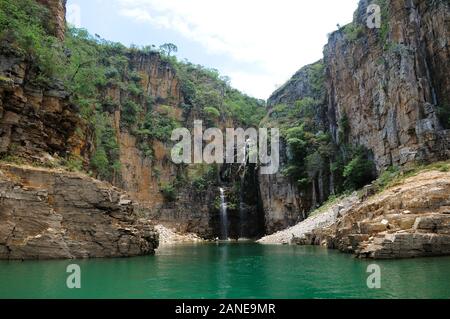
(389, 82)
(390, 86)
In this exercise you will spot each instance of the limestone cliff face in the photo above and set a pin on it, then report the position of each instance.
(35, 120)
(140, 175)
(390, 86)
(47, 214)
(57, 21)
(388, 82)
(159, 78)
(284, 204)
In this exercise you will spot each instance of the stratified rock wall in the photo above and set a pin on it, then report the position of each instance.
(408, 220)
(35, 120)
(47, 214)
(390, 85)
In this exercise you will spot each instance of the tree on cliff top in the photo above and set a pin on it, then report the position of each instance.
(168, 48)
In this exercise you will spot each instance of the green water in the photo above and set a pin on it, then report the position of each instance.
(229, 271)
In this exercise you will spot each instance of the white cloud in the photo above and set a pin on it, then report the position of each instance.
(274, 37)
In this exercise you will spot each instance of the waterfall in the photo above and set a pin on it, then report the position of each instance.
(314, 194)
(331, 178)
(243, 167)
(321, 190)
(241, 207)
(223, 216)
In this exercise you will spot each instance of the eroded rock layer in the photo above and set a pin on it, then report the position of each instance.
(35, 120)
(47, 214)
(409, 220)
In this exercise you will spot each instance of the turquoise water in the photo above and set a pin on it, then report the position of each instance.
(229, 271)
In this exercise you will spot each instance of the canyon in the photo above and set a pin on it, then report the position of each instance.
(381, 89)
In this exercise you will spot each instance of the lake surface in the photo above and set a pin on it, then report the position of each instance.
(229, 271)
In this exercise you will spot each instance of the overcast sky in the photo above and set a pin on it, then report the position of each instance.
(259, 44)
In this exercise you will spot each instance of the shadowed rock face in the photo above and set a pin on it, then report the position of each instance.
(52, 214)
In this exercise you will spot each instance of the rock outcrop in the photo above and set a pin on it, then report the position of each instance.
(57, 21)
(49, 214)
(284, 204)
(324, 217)
(35, 120)
(408, 220)
(281, 201)
(387, 85)
(389, 82)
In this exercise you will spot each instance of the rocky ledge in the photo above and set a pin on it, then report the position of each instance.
(411, 219)
(169, 236)
(51, 214)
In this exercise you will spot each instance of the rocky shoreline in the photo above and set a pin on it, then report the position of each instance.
(168, 236)
(54, 214)
(407, 220)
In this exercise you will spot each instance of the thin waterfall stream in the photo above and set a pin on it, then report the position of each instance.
(223, 216)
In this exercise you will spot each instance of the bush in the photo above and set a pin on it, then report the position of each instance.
(353, 32)
(25, 24)
(387, 177)
(358, 172)
(168, 192)
(106, 159)
(74, 163)
(200, 183)
(130, 112)
(212, 112)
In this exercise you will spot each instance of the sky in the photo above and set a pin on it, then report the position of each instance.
(259, 44)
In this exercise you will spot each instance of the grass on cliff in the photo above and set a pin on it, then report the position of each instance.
(394, 175)
(391, 177)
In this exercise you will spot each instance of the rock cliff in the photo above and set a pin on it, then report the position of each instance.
(408, 220)
(36, 120)
(46, 214)
(390, 82)
(387, 89)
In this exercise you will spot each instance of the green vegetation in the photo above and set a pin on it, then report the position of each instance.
(105, 160)
(312, 152)
(384, 30)
(395, 175)
(353, 31)
(74, 163)
(212, 112)
(24, 25)
(359, 170)
(209, 95)
(168, 191)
